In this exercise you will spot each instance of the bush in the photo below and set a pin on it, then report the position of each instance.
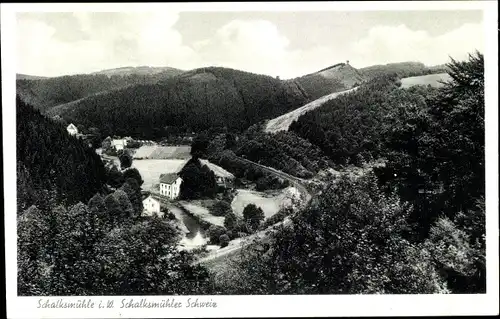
(125, 159)
(214, 233)
(231, 221)
(224, 240)
(253, 216)
(168, 215)
(276, 218)
(134, 144)
(221, 208)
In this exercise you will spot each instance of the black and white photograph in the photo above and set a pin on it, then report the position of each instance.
(176, 156)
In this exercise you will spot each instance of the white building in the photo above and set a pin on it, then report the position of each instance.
(151, 206)
(170, 185)
(119, 144)
(72, 130)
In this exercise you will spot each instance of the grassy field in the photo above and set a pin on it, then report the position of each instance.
(269, 204)
(430, 79)
(163, 152)
(151, 169)
(202, 212)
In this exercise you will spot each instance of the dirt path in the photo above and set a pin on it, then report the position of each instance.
(283, 122)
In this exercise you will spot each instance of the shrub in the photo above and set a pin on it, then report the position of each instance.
(253, 215)
(214, 233)
(221, 208)
(224, 240)
(230, 221)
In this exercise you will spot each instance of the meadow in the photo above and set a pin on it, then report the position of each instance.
(429, 79)
(163, 152)
(151, 169)
(270, 204)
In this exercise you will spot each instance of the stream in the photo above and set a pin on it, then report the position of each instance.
(195, 237)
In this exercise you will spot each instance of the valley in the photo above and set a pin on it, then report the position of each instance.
(220, 181)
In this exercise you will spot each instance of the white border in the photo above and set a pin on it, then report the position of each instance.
(268, 306)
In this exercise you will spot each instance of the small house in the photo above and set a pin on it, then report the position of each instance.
(170, 185)
(222, 177)
(151, 206)
(119, 144)
(72, 130)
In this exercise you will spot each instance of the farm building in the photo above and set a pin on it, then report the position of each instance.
(151, 206)
(72, 130)
(119, 144)
(170, 185)
(222, 177)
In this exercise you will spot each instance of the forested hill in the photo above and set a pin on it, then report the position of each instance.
(401, 69)
(336, 78)
(52, 166)
(195, 100)
(20, 76)
(44, 93)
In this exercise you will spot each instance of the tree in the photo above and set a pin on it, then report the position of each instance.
(78, 232)
(224, 240)
(143, 259)
(33, 233)
(133, 172)
(435, 147)
(221, 208)
(350, 239)
(96, 203)
(125, 159)
(50, 162)
(198, 181)
(199, 145)
(114, 177)
(114, 211)
(214, 232)
(230, 221)
(126, 207)
(97, 206)
(133, 144)
(96, 137)
(253, 216)
(107, 145)
(133, 191)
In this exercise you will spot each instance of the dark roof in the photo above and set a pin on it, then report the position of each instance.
(168, 178)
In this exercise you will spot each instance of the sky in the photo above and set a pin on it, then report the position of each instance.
(285, 44)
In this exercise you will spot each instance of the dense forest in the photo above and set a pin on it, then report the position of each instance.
(198, 100)
(415, 225)
(80, 230)
(102, 248)
(348, 128)
(52, 166)
(45, 93)
(284, 151)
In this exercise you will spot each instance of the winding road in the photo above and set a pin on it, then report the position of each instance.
(237, 244)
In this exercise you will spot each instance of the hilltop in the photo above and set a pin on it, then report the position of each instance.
(140, 70)
(20, 76)
(336, 78)
(45, 93)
